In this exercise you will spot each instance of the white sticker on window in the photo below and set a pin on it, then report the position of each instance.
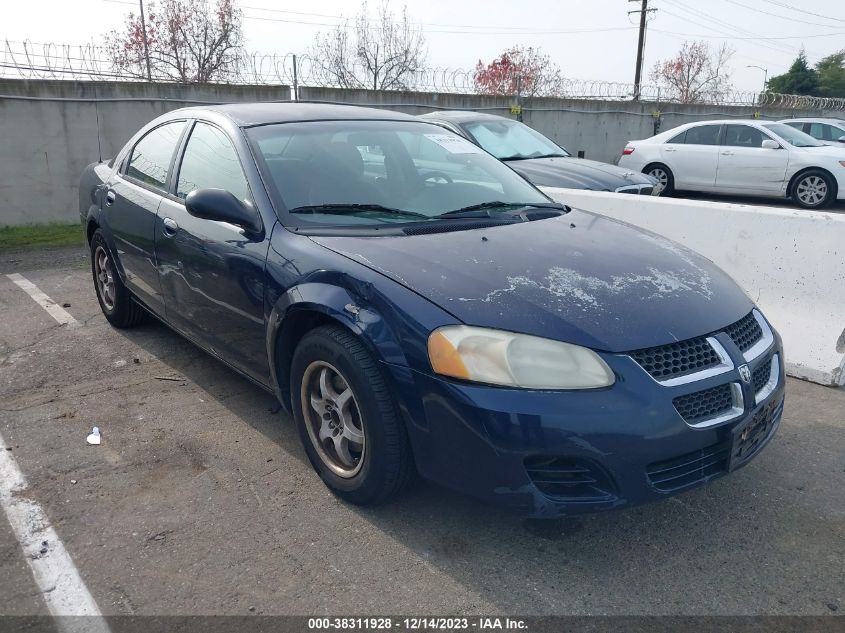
(454, 144)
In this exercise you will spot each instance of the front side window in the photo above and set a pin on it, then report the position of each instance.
(380, 172)
(825, 132)
(744, 136)
(211, 162)
(152, 155)
(793, 136)
(703, 135)
(511, 140)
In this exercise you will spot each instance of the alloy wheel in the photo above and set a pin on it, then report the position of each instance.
(811, 190)
(104, 275)
(661, 176)
(333, 419)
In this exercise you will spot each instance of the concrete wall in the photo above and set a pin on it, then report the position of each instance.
(50, 130)
(788, 261)
(599, 129)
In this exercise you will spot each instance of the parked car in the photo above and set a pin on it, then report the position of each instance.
(828, 131)
(748, 158)
(537, 158)
(418, 306)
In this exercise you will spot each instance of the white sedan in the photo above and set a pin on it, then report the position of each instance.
(748, 158)
(828, 131)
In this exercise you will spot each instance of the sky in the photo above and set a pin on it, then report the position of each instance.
(587, 39)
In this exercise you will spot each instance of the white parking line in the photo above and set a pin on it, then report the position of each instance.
(61, 586)
(53, 309)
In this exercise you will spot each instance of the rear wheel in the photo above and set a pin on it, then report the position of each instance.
(663, 175)
(814, 189)
(347, 419)
(115, 300)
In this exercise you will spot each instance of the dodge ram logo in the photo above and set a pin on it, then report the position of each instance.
(745, 373)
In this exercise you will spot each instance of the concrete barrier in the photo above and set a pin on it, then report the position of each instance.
(790, 262)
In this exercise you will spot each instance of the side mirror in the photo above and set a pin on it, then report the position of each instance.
(841, 139)
(770, 144)
(222, 206)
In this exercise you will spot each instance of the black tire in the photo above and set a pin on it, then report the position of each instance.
(385, 463)
(657, 170)
(117, 303)
(813, 189)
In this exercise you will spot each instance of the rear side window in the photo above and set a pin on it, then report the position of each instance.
(151, 156)
(703, 135)
(210, 161)
(744, 136)
(680, 138)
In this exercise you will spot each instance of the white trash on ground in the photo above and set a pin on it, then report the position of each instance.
(94, 437)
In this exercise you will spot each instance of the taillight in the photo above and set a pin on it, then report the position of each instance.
(628, 151)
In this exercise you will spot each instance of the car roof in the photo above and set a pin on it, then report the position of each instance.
(249, 114)
(730, 121)
(460, 116)
(811, 119)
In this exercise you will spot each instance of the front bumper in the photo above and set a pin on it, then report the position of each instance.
(563, 453)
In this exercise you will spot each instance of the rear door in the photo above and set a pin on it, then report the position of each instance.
(131, 203)
(745, 166)
(212, 273)
(693, 157)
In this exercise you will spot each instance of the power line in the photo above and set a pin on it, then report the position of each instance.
(777, 15)
(804, 11)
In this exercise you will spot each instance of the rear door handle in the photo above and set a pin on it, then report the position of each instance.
(671, 149)
(110, 197)
(727, 153)
(170, 226)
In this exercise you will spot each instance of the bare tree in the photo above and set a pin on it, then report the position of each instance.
(696, 74)
(385, 53)
(519, 70)
(186, 40)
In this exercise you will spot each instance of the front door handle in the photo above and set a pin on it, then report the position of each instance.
(110, 197)
(170, 226)
(727, 153)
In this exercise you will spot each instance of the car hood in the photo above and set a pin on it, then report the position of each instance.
(577, 173)
(579, 278)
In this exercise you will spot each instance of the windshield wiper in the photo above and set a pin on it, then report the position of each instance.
(473, 210)
(349, 208)
(523, 157)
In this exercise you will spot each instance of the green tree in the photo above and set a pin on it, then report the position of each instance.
(831, 73)
(800, 79)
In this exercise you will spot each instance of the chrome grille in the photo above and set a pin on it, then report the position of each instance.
(677, 359)
(745, 332)
(706, 404)
(761, 376)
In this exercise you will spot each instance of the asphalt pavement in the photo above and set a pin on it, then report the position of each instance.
(200, 499)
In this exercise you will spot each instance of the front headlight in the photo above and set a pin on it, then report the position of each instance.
(515, 360)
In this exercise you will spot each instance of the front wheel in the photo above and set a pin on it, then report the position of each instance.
(814, 189)
(665, 179)
(347, 419)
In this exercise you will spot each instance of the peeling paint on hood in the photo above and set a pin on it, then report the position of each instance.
(579, 278)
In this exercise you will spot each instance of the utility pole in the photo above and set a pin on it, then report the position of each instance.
(146, 48)
(638, 75)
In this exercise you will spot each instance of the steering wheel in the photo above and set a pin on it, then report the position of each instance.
(437, 175)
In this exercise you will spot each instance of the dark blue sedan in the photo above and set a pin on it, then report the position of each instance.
(420, 308)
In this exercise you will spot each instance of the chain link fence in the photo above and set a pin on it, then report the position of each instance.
(30, 60)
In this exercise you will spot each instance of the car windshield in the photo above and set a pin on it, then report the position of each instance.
(375, 172)
(511, 140)
(793, 136)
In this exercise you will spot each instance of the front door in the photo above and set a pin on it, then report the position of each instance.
(746, 166)
(212, 273)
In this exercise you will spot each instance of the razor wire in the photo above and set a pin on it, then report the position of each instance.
(90, 62)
